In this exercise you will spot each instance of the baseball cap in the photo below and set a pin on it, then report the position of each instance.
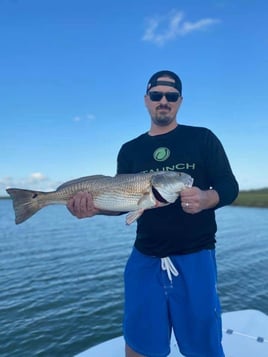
(153, 81)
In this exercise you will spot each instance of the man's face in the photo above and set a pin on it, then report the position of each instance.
(163, 109)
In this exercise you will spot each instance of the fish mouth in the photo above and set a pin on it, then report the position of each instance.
(158, 196)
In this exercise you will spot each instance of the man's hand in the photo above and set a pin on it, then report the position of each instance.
(194, 200)
(81, 205)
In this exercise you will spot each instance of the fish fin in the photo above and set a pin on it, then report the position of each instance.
(133, 216)
(147, 200)
(25, 203)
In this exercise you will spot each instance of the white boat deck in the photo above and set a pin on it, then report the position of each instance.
(245, 334)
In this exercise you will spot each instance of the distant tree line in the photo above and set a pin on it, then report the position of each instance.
(253, 198)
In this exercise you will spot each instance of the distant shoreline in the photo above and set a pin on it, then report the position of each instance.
(249, 198)
(253, 198)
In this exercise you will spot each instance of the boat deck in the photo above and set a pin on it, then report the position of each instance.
(245, 334)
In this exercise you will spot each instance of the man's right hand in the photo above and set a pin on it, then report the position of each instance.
(81, 205)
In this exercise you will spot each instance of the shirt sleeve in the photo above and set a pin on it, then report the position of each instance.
(221, 176)
(123, 162)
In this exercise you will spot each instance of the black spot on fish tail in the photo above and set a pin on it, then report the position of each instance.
(25, 203)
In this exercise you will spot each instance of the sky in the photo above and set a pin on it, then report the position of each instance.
(73, 75)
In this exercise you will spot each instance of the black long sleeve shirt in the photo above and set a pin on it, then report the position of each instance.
(197, 151)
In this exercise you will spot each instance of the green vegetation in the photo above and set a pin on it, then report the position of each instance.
(253, 198)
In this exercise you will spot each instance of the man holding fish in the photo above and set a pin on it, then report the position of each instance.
(170, 276)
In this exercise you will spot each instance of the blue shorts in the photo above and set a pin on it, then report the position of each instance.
(187, 303)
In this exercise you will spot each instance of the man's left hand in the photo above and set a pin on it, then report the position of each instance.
(194, 200)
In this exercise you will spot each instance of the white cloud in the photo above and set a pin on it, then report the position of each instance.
(36, 177)
(86, 117)
(161, 29)
(35, 181)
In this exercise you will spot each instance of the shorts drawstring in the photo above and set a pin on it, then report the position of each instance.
(166, 264)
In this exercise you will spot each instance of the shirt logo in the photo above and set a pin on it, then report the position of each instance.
(161, 154)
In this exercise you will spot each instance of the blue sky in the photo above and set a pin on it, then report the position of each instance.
(73, 76)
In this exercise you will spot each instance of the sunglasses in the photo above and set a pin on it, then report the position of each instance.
(170, 96)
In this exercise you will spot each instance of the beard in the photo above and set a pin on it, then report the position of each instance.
(162, 116)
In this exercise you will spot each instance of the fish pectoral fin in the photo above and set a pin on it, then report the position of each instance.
(147, 201)
(134, 215)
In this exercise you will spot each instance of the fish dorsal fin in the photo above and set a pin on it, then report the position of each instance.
(80, 180)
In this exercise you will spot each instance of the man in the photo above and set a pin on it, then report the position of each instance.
(170, 277)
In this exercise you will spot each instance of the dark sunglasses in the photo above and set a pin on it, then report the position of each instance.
(170, 96)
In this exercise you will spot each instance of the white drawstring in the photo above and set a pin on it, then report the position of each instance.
(166, 264)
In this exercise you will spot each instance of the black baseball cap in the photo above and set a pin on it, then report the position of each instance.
(153, 81)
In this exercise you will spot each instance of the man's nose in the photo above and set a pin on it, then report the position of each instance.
(163, 100)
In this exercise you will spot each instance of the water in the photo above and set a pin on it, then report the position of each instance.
(61, 278)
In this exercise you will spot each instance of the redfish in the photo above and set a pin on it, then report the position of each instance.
(132, 193)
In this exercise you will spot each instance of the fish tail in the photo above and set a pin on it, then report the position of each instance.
(25, 203)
